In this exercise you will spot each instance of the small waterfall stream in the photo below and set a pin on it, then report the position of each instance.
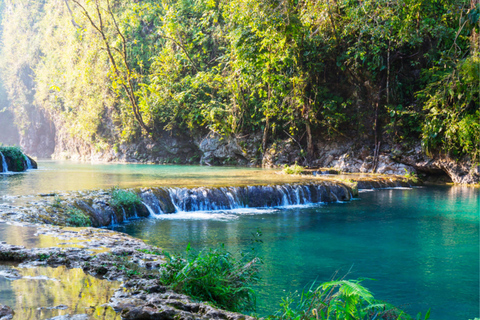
(28, 162)
(4, 163)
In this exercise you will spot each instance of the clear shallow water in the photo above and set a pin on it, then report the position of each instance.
(60, 176)
(421, 246)
(40, 290)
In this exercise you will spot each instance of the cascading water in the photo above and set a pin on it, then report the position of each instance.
(28, 162)
(4, 163)
(171, 200)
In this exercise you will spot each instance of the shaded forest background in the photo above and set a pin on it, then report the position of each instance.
(110, 72)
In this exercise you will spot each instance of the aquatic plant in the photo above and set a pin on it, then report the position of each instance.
(77, 218)
(214, 275)
(293, 169)
(338, 299)
(124, 199)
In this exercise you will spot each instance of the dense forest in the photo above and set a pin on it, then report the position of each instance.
(111, 72)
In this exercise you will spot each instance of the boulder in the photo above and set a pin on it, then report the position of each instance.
(221, 150)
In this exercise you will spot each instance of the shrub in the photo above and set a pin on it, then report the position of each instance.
(214, 275)
(124, 199)
(15, 156)
(76, 218)
(293, 169)
(338, 299)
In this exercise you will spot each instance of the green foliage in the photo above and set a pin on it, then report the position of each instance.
(124, 199)
(452, 100)
(411, 176)
(338, 299)
(400, 69)
(77, 218)
(214, 275)
(16, 158)
(293, 169)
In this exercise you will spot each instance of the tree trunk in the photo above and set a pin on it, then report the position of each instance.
(475, 37)
(265, 135)
(310, 149)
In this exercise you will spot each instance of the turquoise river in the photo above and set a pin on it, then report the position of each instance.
(420, 245)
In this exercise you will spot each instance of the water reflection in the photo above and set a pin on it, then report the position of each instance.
(45, 292)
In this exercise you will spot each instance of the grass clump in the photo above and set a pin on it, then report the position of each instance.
(293, 169)
(57, 202)
(124, 199)
(77, 218)
(214, 275)
(339, 299)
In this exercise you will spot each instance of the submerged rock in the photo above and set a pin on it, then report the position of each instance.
(6, 313)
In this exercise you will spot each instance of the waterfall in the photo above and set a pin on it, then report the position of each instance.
(28, 162)
(170, 200)
(4, 163)
(152, 213)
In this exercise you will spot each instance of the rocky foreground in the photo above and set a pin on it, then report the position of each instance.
(113, 256)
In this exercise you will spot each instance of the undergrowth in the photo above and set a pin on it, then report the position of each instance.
(293, 169)
(411, 176)
(339, 299)
(214, 275)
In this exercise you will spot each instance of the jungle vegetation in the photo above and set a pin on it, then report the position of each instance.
(113, 71)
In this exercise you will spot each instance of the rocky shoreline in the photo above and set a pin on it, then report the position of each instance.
(114, 256)
(349, 156)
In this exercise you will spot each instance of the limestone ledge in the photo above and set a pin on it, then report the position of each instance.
(115, 256)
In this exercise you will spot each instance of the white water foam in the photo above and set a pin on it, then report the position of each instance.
(29, 163)
(4, 164)
(222, 215)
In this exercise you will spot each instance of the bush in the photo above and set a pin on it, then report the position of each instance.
(15, 158)
(339, 299)
(124, 199)
(214, 275)
(411, 176)
(293, 169)
(76, 218)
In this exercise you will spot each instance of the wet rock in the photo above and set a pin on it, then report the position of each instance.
(99, 218)
(6, 313)
(10, 274)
